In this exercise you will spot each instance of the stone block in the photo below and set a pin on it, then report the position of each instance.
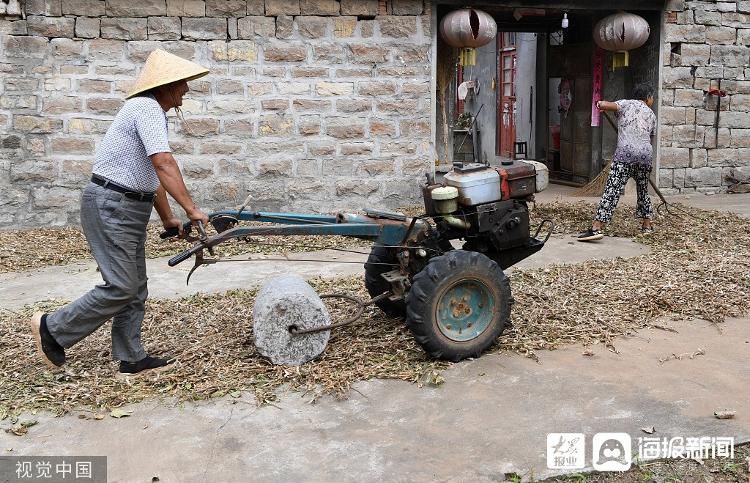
(186, 8)
(319, 7)
(309, 72)
(665, 178)
(407, 7)
(36, 124)
(256, 7)
(735, 19)
(321, 149)
(369, 54)
(308, 125)
(675, 5)
(87, 28)
(49, 8)
(284, 27)
(230, 87)
(311, 105)
(688, 98)
(87, 126)
(72, 145)
(75, 173)
(256, 89)
(308, 168)
(414, 127)
(94, 86)
(359, 7)
(376, 88)
(61, 104)
(204, 28)
(329, 53)
(35, 171)
(164, 28)
(136, 8)
(220, 148)
(285, 53)
(106, 51)
(366, 29)
(84, 8)
(236, 51)
(226, 8)
(10, 27)
(251, 27)
(702, 177)
(353, 105)
(274, 168)
(397, 27)
(743, 6)
(312, 27)
(698, 158)
(282, 7)
(694, 54)
(101, 105)
(402, 106)
(740, 138)
(743, 36)
(705, 17)
(124, 28)
(230, 106)
(382, 127)
(275, 125)
(678, 178)
(51, 26)
(334, 88)
(344, 27)
(336, 167)
(730, 55)
(684, 33)
(675, 158)
(375, 167)
(355, 149)
(139, 51)
(55, 197)
(293, 88)
(13, 102)
(346, 188)
(346, 130)
(346, 72)
(721, 35)
(274, 104)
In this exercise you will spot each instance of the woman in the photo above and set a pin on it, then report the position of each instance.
(633, 158)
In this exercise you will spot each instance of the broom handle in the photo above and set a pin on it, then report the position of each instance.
(650, 181)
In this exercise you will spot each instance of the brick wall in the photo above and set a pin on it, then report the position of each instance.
(311, 105)
(706, 41)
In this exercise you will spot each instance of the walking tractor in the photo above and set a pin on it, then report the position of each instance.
(456, 301)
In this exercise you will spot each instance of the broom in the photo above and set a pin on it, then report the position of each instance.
(595, 187)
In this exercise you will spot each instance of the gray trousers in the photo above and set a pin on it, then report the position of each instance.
(115, 228)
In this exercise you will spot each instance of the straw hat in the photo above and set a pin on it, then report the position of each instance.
(163, 68)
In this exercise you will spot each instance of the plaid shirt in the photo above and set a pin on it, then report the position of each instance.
(138, 131)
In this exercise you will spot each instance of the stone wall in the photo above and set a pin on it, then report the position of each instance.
(311, 105)
(705, 42)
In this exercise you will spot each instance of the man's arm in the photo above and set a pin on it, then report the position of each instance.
(171, 182)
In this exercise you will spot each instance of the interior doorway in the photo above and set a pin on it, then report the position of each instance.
(534, 87)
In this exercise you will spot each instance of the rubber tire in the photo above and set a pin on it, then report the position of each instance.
(376, 285)
(440, 274)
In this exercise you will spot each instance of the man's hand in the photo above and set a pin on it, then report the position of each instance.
(197, 215)
(173, 222)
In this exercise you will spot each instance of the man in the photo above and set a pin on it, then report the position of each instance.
(633, 158)
(133, 172)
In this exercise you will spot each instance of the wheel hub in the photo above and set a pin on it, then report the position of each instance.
(465, 310)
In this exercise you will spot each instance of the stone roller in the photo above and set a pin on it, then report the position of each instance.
(283, 306)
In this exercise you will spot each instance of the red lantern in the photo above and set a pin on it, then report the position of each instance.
(621, 31)
(468, 27)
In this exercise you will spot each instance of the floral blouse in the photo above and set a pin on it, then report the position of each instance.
(636, 123)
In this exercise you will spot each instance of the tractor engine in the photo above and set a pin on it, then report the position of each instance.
(487, 207)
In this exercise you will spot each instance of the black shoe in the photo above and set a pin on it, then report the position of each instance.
(148, 363)
(591, 235)
(52, 353)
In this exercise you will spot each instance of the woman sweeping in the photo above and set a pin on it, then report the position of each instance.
(633, 158)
